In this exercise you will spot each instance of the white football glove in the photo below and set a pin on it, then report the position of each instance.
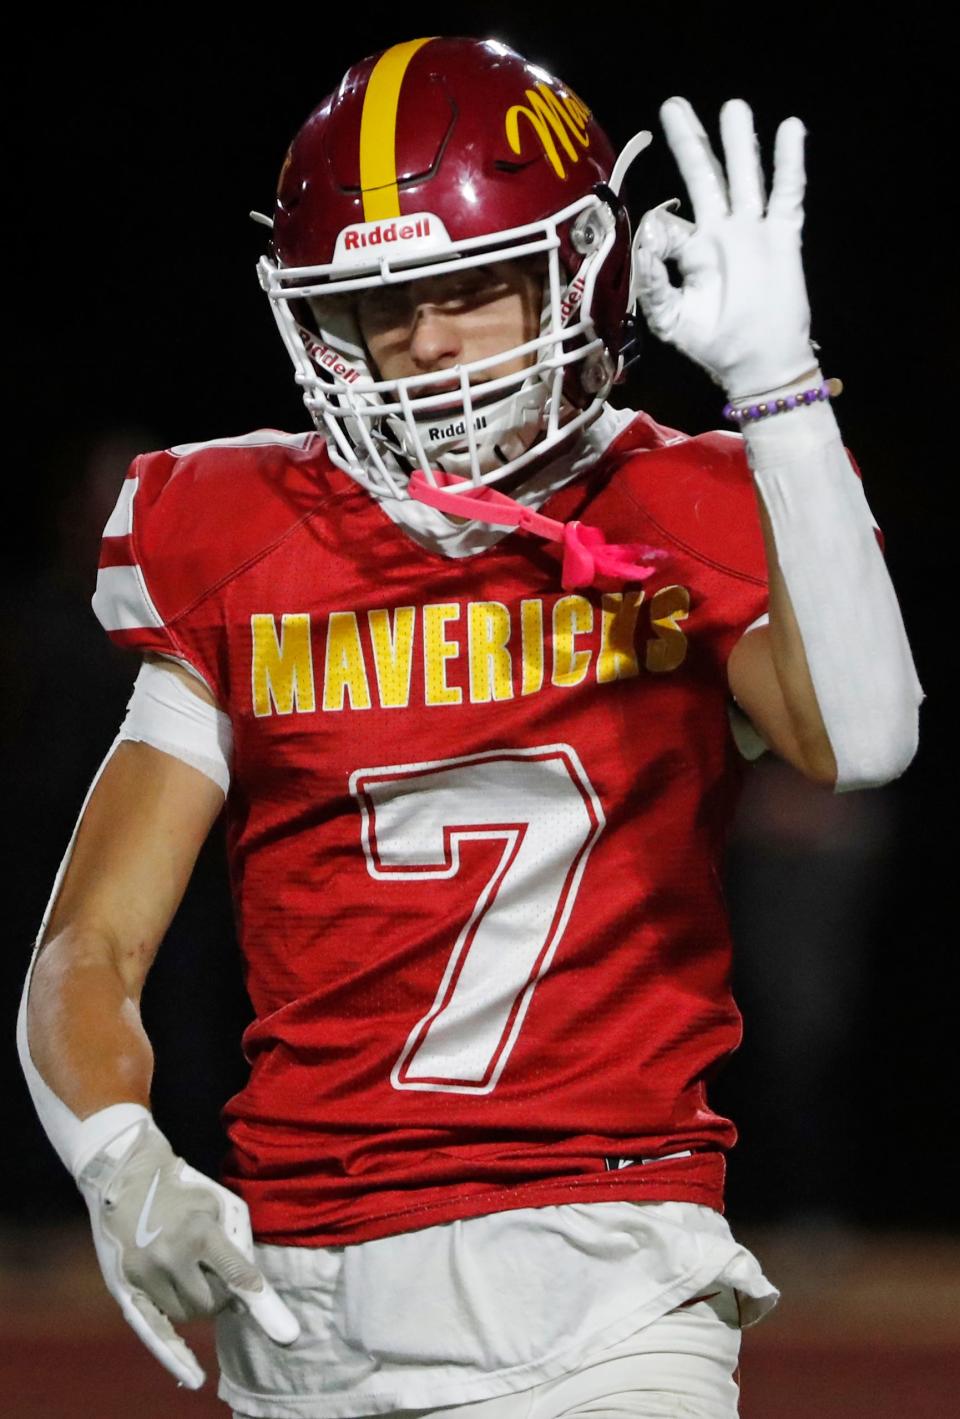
(742, 311)
(173, 1245)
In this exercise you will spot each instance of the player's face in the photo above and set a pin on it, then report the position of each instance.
(420, 327)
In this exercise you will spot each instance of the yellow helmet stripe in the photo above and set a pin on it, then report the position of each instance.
(378, 131)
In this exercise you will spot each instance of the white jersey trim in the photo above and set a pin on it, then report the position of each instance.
(257, 439)
(122, 602)
(120, 521)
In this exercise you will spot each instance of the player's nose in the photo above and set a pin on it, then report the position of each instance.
(435, 342)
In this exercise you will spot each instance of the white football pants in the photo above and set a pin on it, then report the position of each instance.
(683, 1365)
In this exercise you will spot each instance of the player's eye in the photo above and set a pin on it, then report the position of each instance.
(380, 309)
(474, 286)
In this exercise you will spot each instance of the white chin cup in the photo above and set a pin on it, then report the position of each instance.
(502, 431)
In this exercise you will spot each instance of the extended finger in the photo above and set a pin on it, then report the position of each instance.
(271, 1314)
(695, 158)
(244, 1280)
(742, 155)
(160, 1338)
(789, 172)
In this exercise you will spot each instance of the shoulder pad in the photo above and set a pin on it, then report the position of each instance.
(699, 494)
(188, 517)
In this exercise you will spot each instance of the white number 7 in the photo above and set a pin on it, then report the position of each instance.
(541, 805)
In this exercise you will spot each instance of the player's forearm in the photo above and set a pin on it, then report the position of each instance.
(793, 671)
(85, 1032)
(841, 652)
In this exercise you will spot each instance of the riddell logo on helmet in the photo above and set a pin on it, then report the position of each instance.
(452, 431)
(572, 299)
(330, 360)
(366, 242)
(375, 235)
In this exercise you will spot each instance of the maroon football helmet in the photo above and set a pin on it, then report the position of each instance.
(433, 155)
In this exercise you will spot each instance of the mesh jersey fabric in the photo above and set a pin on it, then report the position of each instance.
(474, 827)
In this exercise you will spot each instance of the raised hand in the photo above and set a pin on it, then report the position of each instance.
(742, 311)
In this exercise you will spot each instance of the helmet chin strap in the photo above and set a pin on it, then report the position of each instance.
(586, 554)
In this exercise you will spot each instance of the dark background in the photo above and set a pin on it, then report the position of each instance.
(138, 322)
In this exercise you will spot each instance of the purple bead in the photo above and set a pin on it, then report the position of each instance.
(777, 406)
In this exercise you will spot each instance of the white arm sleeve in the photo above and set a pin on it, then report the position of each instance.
(164, 713)
(846, 608)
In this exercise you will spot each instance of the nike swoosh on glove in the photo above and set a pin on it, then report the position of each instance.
(742, 311)
(173, 1245)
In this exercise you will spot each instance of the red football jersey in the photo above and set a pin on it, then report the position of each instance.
(475, 826)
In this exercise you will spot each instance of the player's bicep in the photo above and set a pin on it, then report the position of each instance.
(134, 852)
(186, 677)
(752, 678)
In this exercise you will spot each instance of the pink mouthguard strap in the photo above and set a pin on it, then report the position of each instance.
(586, 555)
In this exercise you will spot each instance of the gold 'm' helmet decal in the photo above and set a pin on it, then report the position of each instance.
(551, 117)
(378, 131)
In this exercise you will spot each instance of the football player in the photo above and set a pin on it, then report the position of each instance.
(476, 664)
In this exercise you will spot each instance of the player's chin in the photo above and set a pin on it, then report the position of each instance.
(480, 395)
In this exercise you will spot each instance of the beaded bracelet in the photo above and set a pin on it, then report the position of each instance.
(750, 412)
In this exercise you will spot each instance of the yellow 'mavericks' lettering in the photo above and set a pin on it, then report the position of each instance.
(393, 654)
(282, 668)
(437, 650)
(669, 648)
(572, 616)
(531, 632)
(344, 671)
(504, 651)
(618, 652)
(491, 670)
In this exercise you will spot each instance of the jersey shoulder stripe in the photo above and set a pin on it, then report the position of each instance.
(122, 602)
(190, 517)
(260, 438)
(120, 521)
